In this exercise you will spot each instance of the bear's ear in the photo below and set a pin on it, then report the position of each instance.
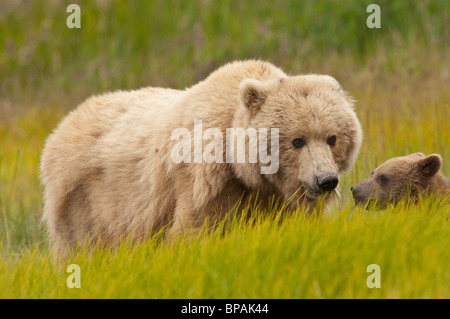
(430, 165)
(253, 94)
(418, 154)
(333, 82)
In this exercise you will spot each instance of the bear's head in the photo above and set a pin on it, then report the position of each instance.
(319, 133)
(396, 178)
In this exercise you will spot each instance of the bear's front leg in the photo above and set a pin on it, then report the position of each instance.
(185, 222)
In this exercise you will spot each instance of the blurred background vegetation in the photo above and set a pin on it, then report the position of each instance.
(399, 73)
(127, 44)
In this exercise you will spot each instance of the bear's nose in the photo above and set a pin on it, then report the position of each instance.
(327, 181)
(354, 189)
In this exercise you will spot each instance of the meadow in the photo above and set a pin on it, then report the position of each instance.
(399, 75)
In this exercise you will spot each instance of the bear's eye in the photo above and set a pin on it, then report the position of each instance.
(298, 142)
(383, 179)
(332, 140)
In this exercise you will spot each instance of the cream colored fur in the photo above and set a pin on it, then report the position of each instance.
(108, 173)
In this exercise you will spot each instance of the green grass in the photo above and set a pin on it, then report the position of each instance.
(301, 258)
(399, 75)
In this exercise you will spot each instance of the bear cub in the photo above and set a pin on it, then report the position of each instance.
(414, 175)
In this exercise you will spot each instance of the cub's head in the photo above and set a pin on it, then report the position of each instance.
(397, 178)
(319, 133)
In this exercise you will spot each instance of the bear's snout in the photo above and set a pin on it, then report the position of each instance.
(360, 193)
(356, 194)
(355, 190)
(327, 181)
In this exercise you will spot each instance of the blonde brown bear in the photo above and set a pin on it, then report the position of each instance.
(112, 167)
(411, 175)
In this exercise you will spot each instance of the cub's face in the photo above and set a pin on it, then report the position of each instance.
(397, 178)
(319, 133)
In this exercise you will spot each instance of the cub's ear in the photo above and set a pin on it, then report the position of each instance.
(419, 154)
(253, 94)
(430, 165)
